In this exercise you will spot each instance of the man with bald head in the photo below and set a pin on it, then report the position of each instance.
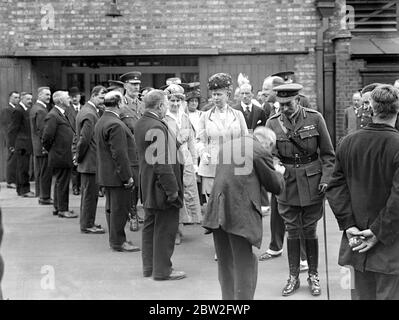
(254, 115)
(57, 139)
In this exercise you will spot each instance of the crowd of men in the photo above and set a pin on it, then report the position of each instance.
(125, 143)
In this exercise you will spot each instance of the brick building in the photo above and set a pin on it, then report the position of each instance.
(75, 43)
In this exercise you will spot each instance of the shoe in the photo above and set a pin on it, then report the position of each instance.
(46, 201)
(67, 214)
(175, 275)
(303, 266)
(29, 194)
(267, 256)
(207, 231)
(55, 212)
(11, 186)
(314, 284)
(178, 238)
(127, 246)
(291, 286)
(134, 224)
(75, 192)
(147, 274)
(93, 230)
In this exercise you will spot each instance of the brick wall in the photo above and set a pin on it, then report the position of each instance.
(228, 25)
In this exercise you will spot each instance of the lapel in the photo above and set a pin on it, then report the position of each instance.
(253, 116)
(63, 117)
(214, 117)
(88, 105)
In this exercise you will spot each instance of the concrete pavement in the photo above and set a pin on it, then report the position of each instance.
(47, 257)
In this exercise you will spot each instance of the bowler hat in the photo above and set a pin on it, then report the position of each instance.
(74, 91)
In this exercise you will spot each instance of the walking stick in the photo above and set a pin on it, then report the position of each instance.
(325, 246)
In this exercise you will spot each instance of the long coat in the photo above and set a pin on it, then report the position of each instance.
(37, 114)
(20, 133)
(160, 174)
(302, 180)
(235, 201)
(257, 116)
(57, 139)
(86, 156)
(213, 133)
(115, 149)
(364, 192)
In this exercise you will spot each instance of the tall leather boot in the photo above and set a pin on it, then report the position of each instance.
(293, 248)
(312, 251)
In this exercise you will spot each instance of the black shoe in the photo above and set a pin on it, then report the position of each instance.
(147, 274)
(29, 194)
(93, 230)
(175, 275)
(67, 214)
(314, 284)
(46, 201)
(55, 212)
(11, 186)
(291, 286)
(126, 247)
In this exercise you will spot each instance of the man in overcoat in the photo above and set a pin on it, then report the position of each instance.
(160, 188)
(234, 212)
(364, 196)
(305, 149)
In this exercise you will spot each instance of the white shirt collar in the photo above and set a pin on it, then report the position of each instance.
(60, 109)
(92, 104)
(23, 106)
(12, 105)
(244, 106)
(42, 103)
(76, 107)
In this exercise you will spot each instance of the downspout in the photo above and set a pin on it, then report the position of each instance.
(320, 64)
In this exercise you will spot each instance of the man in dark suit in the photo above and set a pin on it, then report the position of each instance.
(21, 143)
(43, 173)
(11, 173)
(254, 116)
(74, 108)
(364, 196)
(116, 152)
(85, 157)
(234, 211)
(57, 140)
(161, 188)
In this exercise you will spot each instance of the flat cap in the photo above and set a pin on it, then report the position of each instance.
(220, 81)
(287, 92)
(131, 77)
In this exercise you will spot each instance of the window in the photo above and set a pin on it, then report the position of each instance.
(374, 16)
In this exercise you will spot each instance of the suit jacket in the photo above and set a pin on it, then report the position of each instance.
(57, 139)
(37, 114)
(364, 192)
(235, 200)
(19, 130)
(302, 181)
(267, 108)
(86, 155)
(115, 150)
(257, 116)
(6, 114)
(160, 175)
(212, 133)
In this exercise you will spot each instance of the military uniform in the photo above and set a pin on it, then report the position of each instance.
(305, 149)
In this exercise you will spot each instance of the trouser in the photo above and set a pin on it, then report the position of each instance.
(375, 286)
(11, 166)
(158, 240)
(89, 199)
(302, 222)
(61, 188)
(43, 178)
(22, 164)
(277, 229)
(76, 178)
(237, 265)
(117, 205)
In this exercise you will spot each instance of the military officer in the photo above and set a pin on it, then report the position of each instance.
(130, 112)
(305, 149)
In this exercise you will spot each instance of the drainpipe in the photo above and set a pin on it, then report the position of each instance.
(320, 64)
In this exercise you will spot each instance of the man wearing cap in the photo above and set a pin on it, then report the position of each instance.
(132, 81)
(74, 94)
(288, 76)
(116, 85)
(305, 149)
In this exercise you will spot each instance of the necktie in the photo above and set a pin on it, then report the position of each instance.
(247, 112)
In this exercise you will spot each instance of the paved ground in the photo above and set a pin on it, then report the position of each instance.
(48, 258)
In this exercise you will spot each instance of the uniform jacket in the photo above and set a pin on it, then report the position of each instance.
(163, 175)
(302, 181)
(19, 130)
(213, 133)
(86, 144)
(235, 201)
(57, 139)
(364, 192)
(131, 111)
(257, 116)
(353, 121)
(115, 149)
(37, 114)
